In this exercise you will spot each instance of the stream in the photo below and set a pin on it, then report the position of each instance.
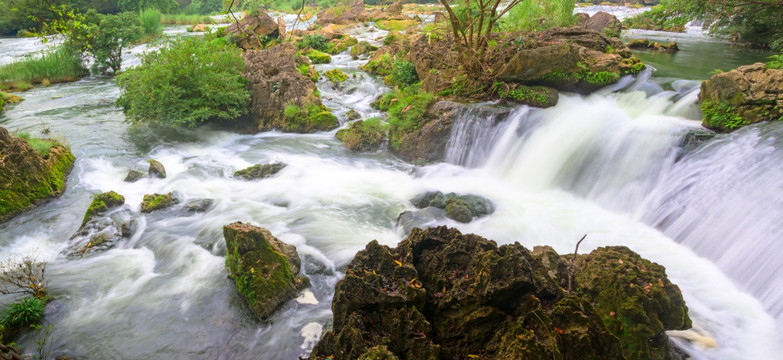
(611, 165)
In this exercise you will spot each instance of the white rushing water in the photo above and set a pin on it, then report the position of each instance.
(609, 165)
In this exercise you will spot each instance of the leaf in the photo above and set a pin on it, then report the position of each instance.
(398, 263)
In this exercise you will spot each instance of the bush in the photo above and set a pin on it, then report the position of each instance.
(403, 73)
(193, 81)
(55, 65)
(150, 22)
(317, 42)
(23, 313)
(776, 61)
(533, 15)
(406, 109)
(366, 135)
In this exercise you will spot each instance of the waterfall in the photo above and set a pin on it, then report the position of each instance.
(474, 132)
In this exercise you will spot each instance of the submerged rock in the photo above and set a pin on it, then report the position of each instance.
(260, 171)
(134, 175)
(156, 169)
(444, 295)
(744, 96)
(153, 202)
(363, 135)
(26, 176)
(643, 44)
(102, 232)
(199, 205)
(264, 268)
(462, 208)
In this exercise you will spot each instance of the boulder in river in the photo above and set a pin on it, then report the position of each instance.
(199, 205)
(30, 175)
(604, 23)
(156, 169)
(264, 268)
(744, 96)
(444, 295)
(102, 231)
(101, 203)
(134, 176)
(644, 44)
(260, 171)
(153, 202)
(462, 208)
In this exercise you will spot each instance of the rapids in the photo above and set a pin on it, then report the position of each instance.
(611, 165)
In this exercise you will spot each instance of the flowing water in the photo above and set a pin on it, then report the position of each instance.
(613, 165)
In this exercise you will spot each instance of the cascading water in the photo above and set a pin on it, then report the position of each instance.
(607, 165)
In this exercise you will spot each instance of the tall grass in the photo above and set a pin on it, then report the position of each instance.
(42, 146)
(533, 15)
(150, 21)
(54, 65)
(183, 19)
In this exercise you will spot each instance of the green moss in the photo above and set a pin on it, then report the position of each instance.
(260, 171)
(307, 119)
(720, 116)
(406, 109)
(362, 48)
(318, 57)
(396, 25)
(600, 78)
(337, 46)
(308, 71)
(101, 203)
(366, 135)
(383, 65)
(336, 76)
(154, 202)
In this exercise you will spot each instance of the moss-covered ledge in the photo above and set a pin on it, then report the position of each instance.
(30, 175)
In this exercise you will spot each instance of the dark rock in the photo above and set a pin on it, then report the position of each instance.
(352, 115)
(251, 29)
(260, 171)
(264, 268)
(282, 97)
(133, 176)
(458, 210)
(156, 169)
(692, 140)
(462, 208)
(428, 143)
(102, 231)
(26, 177)
(744, 96)
(604, 23)
(199, 205)
(444, 295)
(420, 218)
(155, 202)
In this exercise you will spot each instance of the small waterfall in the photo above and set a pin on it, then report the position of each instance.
(476, 130)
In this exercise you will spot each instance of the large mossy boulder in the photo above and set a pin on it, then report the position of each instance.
(154, 202)
(106, 223)
(284, 98)
(363, 135)
(26, 176)
(264, 268)
(444, 295)
(461, 208)
(102, 203)
(260, 171)
(744, 96)
(252, 32)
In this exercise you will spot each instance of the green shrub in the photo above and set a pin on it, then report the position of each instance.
(317, 42)
(318, 57)
(383, 65)
(403, 73)
(192, 81)
(113, 34)
(406, 108)
(776, 61)
(54, 65)
(23, 313)
(366, 135)
(532, 15)
(42, 146)
(150, 21)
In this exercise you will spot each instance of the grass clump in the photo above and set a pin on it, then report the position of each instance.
(55, 65)
(363, 135)
(407, 109)
(20, 315)
(192, 81)
(534, 15)
(150, 21)
(42, 146)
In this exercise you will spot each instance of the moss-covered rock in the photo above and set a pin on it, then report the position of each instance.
(746, 95)
(644, 44)
(153, 202)
(362, 48)
(444, 295)
(101, 203)
(341, 44)
(363, 135)
(308, 119)
(264, 268)
(260, 171)
(537, 96)
(133, 176)
(336, 76)
(318, 57)
(27, 177)
(462, 208)
(156, 169)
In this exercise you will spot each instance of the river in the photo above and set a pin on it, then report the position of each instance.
(610, 165)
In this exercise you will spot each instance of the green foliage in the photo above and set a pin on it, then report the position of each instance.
(721, 116)
(336, 76)
(150, 22)
(308, 118)
(192, 81)
(318, 57)
(776, 61)
(317, 42)
(390, 38)
(601, 78)
(406, 109)
(23, 313)
(363, 135)
(403, 73)
(305, 70)
(42, 146)
(534, 15)
(383, 65)
(253, 7)
(105, 37)
(54, 65)
(658, 18)
(185, 19)
(138, 5)
(205, 7)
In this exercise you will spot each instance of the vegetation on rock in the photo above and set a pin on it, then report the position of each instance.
(60, 64)
(461, 208)
(101, 203)
(318, 57)
(186, 84)
(406, 111)
(264, 268)
(260, 171)
(153, 202)
(363, 135)
(335, 76)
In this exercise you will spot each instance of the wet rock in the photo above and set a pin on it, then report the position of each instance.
(428, 143)
(264, 268)
(133, 176)
(420, 218)
(199, 205)
(102, 230)
(444, 295)
(8, 352)
(362, 48)
(643, 44)
(101, 203)
(154, 202)
(692, 140)
(260, 171)
(363, 135)
(744, 96)
(352, 115)
(250, 31)
(156, 169)
(603, 23)
(26, 176)
(462, 208)
(281, 96)
(344, 14)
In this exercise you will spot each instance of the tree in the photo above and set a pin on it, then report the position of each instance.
(103, 37)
